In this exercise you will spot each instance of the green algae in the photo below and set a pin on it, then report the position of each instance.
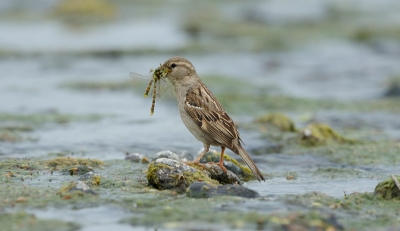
(384, 152)
(71, 162)
(278, 120)
(22, 221)
(387, 189)
(81, 12)
(317, 134)
(184, 213)
(261, 35)
(357, 211)
(20, 167)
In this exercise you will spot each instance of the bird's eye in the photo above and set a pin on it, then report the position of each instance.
(173, 65)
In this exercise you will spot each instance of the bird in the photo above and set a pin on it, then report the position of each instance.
(203, 115)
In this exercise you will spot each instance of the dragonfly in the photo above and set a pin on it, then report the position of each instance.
(157, 75)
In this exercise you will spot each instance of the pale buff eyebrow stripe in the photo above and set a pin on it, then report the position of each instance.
(185, 64)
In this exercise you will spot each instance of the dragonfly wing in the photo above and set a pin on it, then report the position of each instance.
(136, 75)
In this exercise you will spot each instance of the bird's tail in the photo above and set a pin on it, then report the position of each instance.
(246, 158)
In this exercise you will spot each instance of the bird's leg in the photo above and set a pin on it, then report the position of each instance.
(197, 160)
(221, 160)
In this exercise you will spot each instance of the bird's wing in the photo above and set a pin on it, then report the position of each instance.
(209, 115)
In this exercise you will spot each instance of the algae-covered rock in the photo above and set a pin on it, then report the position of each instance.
(387, 189)
(204, 190)
(316, 134)
(279, 121)
(166, 173)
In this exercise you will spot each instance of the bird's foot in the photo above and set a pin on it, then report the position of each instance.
(221, 165)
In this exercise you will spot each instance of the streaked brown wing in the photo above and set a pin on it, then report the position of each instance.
(210, 116)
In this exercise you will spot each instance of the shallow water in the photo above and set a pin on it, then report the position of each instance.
(99, 218)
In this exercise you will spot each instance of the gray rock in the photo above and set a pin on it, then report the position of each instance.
(185, 156)
(214, 156)
(233, 168)
(166, 154)
(86, 176)
(204, 190)
(136, 158)
(216, 173)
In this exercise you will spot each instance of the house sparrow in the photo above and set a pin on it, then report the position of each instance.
(203, 115)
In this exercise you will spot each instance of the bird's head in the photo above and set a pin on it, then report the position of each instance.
(178, 69)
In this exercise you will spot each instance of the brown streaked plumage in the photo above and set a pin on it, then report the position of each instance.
(203, 115)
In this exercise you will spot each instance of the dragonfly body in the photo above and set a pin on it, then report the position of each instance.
(156, 78)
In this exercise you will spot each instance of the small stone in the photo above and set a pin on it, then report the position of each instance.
(166, 154)
(203, 190)
(90, 178)
(78, 170)
(86, 176)
(133, 157)
(76, 186)
(136, 158)
(82, 186)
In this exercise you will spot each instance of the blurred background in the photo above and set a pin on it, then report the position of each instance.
(65, 88)
(65, 63)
